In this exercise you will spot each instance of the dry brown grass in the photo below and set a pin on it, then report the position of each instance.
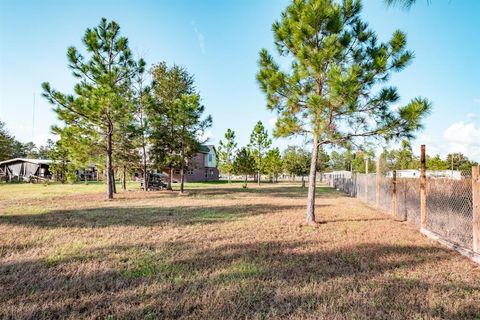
(223, 252)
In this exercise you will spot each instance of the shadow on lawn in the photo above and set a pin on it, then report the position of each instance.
(143, 216)
(272, 190)
(239, 280)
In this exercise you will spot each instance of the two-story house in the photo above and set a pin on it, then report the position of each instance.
(201, 167)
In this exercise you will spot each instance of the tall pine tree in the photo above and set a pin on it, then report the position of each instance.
(169, 84)
(190, 126)
(101, 99)
(335, 90)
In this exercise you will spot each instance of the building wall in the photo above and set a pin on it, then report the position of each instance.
(200, 169)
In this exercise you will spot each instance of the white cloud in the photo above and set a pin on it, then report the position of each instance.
(465, 138)
(200, 38)
(431, 145)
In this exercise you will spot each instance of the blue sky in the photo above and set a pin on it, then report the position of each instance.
(218, 41)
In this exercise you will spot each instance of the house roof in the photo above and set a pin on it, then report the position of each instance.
(204, 148)
(35, 161)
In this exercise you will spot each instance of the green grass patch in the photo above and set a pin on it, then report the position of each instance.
(145, 263)
(241, 270)
(70, 252)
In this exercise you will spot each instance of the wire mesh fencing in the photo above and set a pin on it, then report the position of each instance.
(450, 209)
(408, 200)
(385, 187)
(449, 201)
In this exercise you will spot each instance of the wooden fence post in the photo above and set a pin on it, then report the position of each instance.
(423, 193)
(366, 180)
(377, 184)
(476, 208)
(394, 194)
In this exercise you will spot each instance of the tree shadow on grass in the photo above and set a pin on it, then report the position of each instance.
(144, 216)
(238, 280)
(296, 192)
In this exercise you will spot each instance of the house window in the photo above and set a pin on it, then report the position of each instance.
(190, 171)
(210, 157)
(206, 173)
(211, 172)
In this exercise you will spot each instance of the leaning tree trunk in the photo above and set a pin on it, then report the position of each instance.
(245, 181)
(303, 181)
(109, 164)
(312, 183)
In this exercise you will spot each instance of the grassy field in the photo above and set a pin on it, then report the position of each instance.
(219, 252)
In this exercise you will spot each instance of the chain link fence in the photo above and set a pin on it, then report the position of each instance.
(449, 209)
(449, 201)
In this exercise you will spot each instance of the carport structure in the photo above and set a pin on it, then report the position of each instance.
(22, 169)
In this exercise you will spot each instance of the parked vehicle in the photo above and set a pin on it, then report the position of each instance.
(156, 181)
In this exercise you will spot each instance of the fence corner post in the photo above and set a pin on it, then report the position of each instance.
(423, 193)
(394, 194)
(476, 207)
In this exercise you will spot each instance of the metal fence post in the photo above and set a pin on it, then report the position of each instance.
(423, 192)
(476, 207)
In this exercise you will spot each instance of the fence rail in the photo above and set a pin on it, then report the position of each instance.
(451, 206)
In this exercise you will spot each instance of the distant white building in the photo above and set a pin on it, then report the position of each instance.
(438, 174)
(340, 174)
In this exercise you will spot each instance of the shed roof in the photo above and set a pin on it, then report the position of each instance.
(35, 161)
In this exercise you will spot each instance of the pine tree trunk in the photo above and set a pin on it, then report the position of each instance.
(170, 179)
(182, 168)
(109, 164)
(145, 175)
(303, 181)
(245, 181)
(258, 176)
(114, 185)
(312, 183)
(182, 176)
(144, 151)
(124, 178)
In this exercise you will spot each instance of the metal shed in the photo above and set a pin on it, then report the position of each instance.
(22, 169)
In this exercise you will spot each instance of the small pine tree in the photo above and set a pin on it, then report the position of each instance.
(273, 164)
(259, 144)
(226, 152)
(244, 164)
